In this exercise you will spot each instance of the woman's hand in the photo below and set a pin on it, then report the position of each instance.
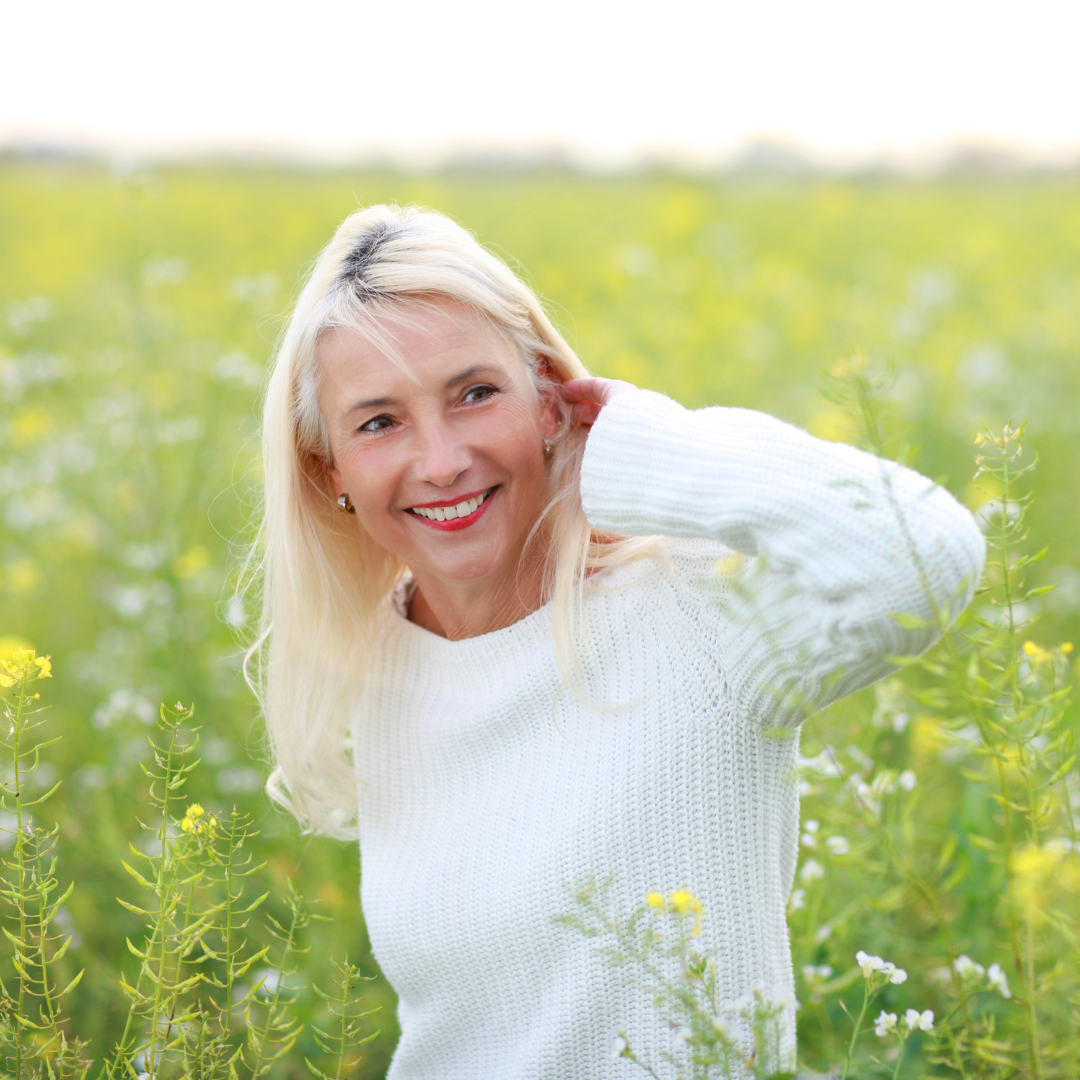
(589, 396)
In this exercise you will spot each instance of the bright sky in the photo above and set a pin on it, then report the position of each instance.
(846, 78)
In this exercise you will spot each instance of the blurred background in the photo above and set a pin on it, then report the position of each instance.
(719, 201)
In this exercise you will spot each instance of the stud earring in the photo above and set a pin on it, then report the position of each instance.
(344, 504)
(549, 448)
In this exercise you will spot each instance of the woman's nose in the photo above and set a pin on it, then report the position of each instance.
(442, 457)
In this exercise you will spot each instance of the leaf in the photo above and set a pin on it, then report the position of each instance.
(134, 951)
(1041, 590)
(1060, 771)
(911, 622)
(948, 850)
(138, 877)
(251, 907)
(137, 910)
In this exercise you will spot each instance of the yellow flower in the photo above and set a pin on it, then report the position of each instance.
(1036, 654)
(1066, 647)
(192, 563)
(729, 564)
(19, 663)
(654, 899)
(1035, 872)
(685, 902)
(10, 644)
(197, 822)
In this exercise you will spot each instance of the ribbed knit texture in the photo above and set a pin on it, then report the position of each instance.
(487, 793)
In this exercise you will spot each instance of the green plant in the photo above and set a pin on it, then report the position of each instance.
(191, 1013)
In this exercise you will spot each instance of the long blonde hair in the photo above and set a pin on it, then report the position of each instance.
(322, 579)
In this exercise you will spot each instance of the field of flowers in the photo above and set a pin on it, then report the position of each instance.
(138, 308)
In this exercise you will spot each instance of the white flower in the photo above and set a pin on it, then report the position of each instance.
(884, 1024)
(998, 980)
(922, 1021)
(816, 974)
(619, 1047)
(964, 965)
(822, 933)
(868, 963)
(838, 845)
(808, 840)
(812, 870)
(907, 780)
(798, 900)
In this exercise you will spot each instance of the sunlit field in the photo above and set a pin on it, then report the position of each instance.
(138, 310)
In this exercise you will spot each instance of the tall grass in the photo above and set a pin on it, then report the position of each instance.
(137, 310)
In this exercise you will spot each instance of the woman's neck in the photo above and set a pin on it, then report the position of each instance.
(456, 609)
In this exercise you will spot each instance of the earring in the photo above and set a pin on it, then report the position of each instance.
(549, 448)
(344, 504)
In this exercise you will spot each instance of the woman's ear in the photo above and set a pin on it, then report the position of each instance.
(551, 402)
(319, 467)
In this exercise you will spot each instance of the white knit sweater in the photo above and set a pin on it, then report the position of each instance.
(486, 795)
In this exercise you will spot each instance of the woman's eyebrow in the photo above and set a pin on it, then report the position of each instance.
(372, 403)
(476, 369)
(469, 373)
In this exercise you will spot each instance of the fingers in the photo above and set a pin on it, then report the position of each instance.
(585, 412)
(594, 389)
(584, 390)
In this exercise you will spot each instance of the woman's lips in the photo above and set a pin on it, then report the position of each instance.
(454, 524)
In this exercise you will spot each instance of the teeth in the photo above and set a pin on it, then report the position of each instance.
(450, 513)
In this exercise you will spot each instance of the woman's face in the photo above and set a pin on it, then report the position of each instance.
(444, 462)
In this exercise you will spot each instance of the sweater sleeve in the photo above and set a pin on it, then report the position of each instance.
(840, 560)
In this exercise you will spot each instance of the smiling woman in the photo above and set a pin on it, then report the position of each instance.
(452, 444)
(569, 631)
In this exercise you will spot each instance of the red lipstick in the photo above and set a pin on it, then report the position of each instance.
(455, 523)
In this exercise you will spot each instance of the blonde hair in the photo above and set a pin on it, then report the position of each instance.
(322, 579)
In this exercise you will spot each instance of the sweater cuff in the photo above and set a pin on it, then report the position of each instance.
(630, 457)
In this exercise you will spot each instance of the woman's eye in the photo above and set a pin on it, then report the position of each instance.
(377, 423)
(479, 393)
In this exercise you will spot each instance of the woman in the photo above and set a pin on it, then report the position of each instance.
(564, 629)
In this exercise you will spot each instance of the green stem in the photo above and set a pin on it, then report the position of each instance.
(229, 901)
(263, 1037)
(20, 869)
(164, 890)
(1024, 964)
(855, 1033)
(900, 1057)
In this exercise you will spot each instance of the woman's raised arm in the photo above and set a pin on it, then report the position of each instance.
(847, 559)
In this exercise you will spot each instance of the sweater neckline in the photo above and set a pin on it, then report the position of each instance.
(525, 629)
(526, 626)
